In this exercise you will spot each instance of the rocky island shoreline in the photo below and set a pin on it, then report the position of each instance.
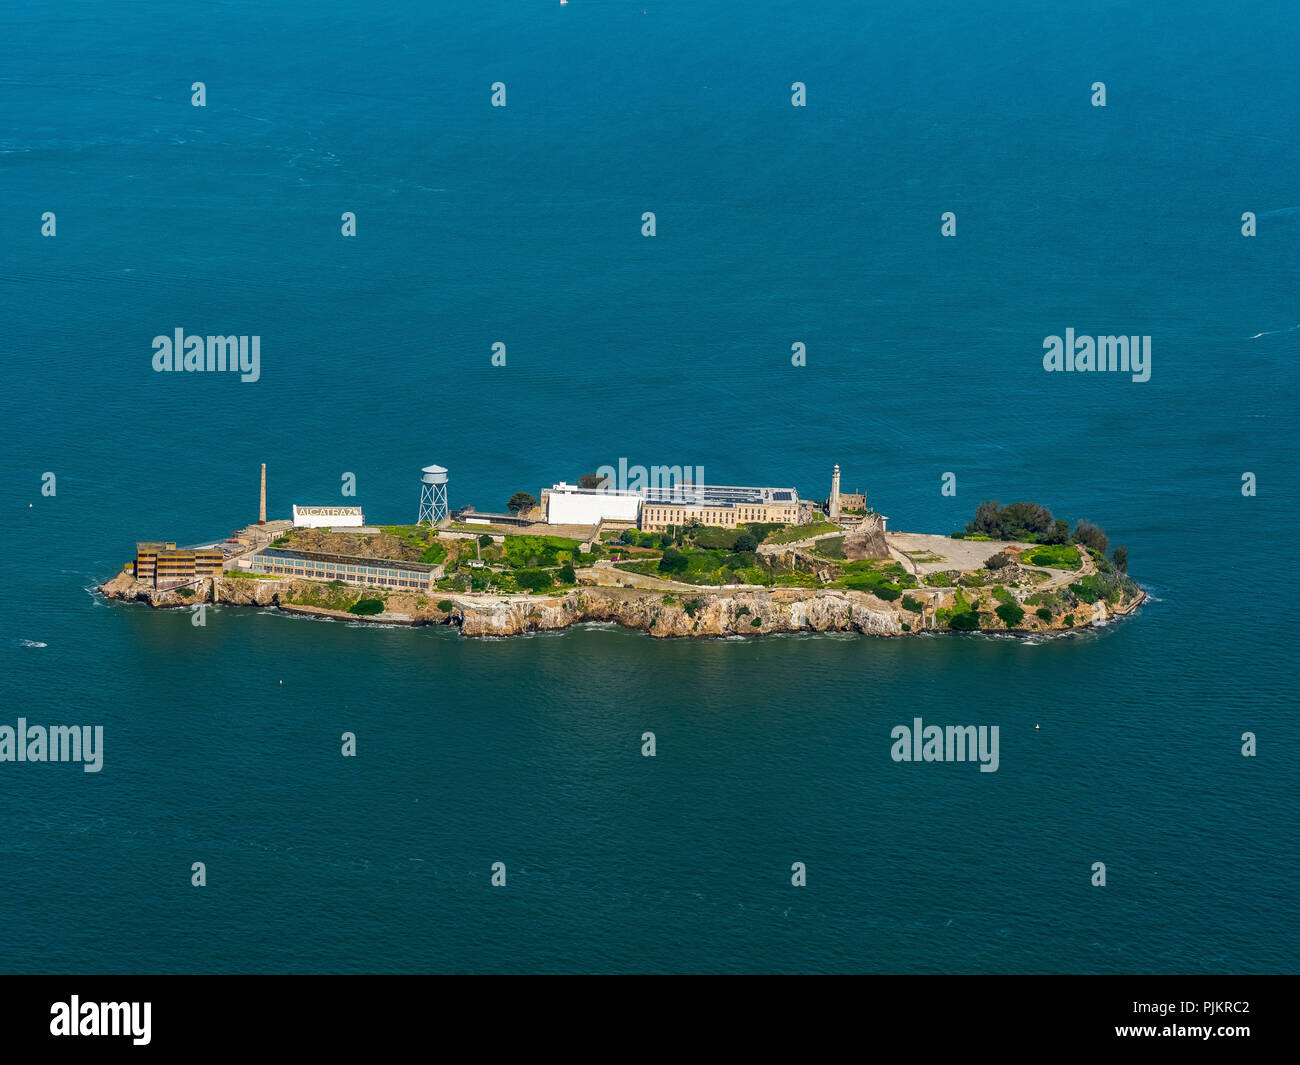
(697, 611)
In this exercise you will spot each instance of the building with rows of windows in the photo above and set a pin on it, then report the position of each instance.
(318, 566)
(160, 563)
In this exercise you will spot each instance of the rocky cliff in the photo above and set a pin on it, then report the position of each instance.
(708, 612)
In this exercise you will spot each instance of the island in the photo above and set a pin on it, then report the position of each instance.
(691, 560)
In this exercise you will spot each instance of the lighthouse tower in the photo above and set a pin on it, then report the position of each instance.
(833, 506)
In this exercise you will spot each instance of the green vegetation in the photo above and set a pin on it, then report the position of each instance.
(968, 621)
(999, 561)
(367, 607)
(1091, 536)
(1044, 613)
(446, 606)
(1069, 619)
(674, 561)
(757, 622)
(252, 576)
(282, 542)
(1011, 614)
(692, 607)
(831, 547)
(914, 605)
(520, 502)
(567, 575)
(669, 600)
(186, 592)
(1024, 522)
(1057, 556)
(885, 581)
(1002, 595)
(938, 579)
(534, 580)
(535, 551)
(788, 534)
(485, 540)
(1119, 558)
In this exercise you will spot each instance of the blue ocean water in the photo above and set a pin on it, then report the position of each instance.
(775, 225)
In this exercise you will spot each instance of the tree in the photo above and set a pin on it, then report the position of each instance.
(999, 561)
(673, 561)
(1060, 533)
(567, 576)
(521, 501)
(1120, 558)
(986, 519)
(629, 537)
(1091, 536)
(592, 480)
(485, 540)
(745, 542)
(1024, 521)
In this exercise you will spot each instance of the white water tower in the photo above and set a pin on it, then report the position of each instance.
(433, 495)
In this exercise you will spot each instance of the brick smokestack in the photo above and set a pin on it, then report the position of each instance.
(261, 505)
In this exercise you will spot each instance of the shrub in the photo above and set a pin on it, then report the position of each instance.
(1091, 536)
(1016, 521)
(366, 607)
(907, 627)
(964, 622)
(485, 540)
(534, 580)
(756, 622)
(1044, 613)
(692, 607)
(914, 605)
(567, 574)
(185, 591)
(1002, 595)
(887, 592)
(674, 561)
(1011, 614)
(1069, 619)
(745, 542)
(446, 606)
(1084, 593)
(1119, 557)
(999, 561)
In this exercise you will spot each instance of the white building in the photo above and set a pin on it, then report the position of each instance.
(327, 517)
(567, 504)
